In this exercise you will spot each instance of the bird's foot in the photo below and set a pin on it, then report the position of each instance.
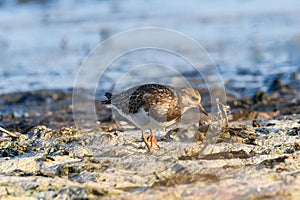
(146, 143)
(153, 142)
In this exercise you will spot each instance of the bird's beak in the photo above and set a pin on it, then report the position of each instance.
(202, 109)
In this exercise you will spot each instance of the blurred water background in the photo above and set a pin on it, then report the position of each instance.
(44, 42)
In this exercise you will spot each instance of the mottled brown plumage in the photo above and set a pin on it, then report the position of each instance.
(154, 106)
(160, 102)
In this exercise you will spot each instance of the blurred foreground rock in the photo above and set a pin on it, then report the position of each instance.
(52, 159)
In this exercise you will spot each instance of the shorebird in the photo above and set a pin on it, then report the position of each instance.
(154, 106)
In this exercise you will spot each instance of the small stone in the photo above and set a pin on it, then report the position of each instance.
(255, 123)
(297, 146)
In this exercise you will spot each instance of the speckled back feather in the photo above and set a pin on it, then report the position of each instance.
(159, 101)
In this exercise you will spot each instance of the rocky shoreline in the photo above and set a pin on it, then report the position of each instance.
(45, 156)
(44, 44)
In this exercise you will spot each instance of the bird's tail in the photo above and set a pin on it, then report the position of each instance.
(108, 96)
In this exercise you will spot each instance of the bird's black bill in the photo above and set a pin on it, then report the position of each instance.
(202, 110)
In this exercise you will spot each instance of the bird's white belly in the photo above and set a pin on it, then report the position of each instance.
(142, 120)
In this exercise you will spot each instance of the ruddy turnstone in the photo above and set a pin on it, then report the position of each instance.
(154, 106)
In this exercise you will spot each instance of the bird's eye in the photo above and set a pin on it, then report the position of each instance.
(194, 98)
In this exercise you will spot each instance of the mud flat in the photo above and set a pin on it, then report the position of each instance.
(43, 155)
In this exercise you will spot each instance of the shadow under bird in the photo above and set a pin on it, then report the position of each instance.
(154, 106)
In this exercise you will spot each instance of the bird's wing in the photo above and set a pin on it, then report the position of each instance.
(162, 105)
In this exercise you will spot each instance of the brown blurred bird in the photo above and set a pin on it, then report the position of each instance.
(154, 106)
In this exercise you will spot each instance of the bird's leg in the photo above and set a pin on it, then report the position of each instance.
(152, 140)
(145, 141)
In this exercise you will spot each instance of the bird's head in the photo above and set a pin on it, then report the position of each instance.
(191, 98)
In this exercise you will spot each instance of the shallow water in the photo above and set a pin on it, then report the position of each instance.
(43, 43)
